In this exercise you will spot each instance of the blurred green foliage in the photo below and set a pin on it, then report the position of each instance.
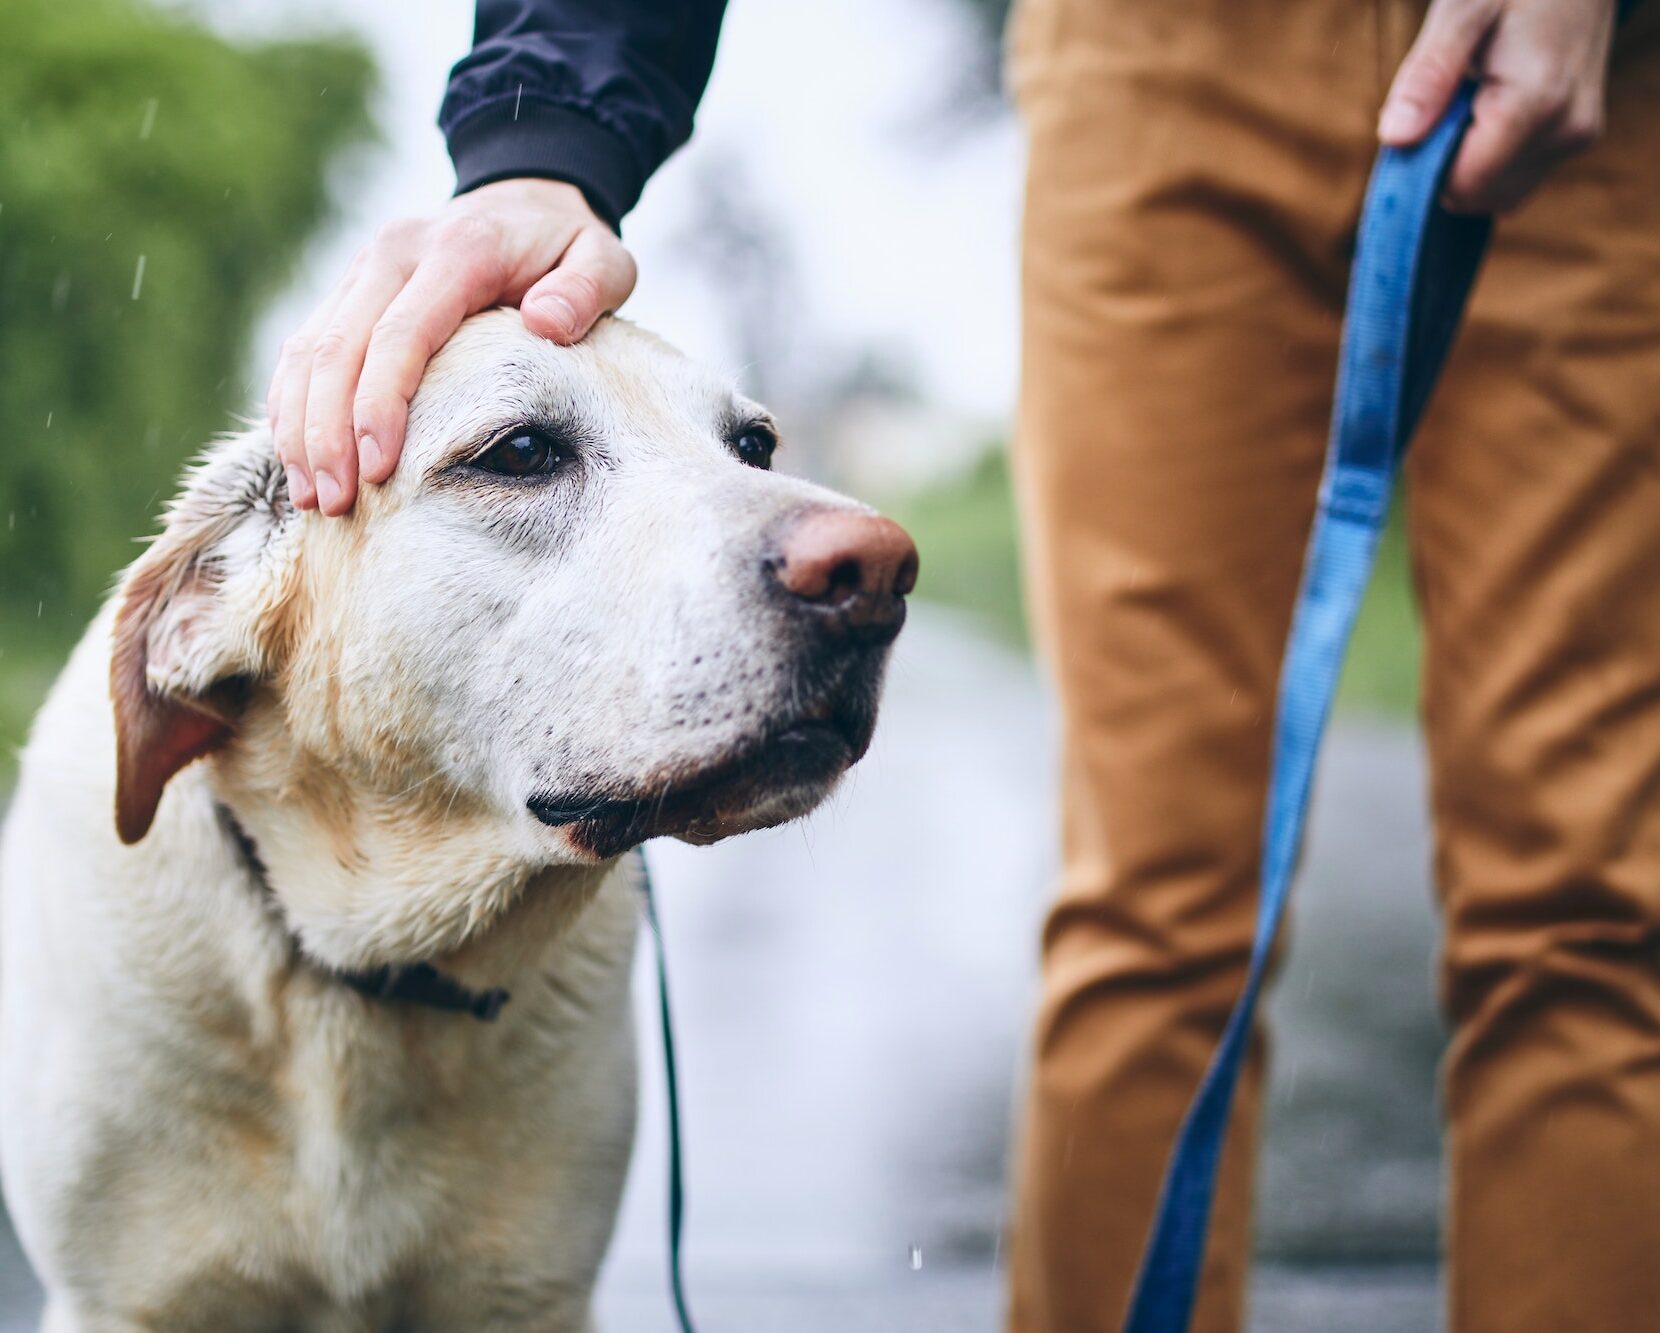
(157, 181)
(965, 530)
(1381, 675)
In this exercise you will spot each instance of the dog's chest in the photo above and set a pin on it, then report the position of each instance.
(332, 1158)
(371, 1106)
(401, 1138)
(385, 1168)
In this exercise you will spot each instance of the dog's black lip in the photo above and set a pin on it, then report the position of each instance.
(555, 814)
(557, 811)
(606, 825)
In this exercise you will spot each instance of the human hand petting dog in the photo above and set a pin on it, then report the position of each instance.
(1542, 67)
(339, 400)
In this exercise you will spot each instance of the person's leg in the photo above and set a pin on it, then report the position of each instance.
(1534, 496)
(1195, 174)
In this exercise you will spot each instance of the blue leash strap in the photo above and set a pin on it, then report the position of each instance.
(1412, 272)
(671, 1081)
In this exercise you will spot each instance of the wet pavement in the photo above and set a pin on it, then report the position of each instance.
(852, 995)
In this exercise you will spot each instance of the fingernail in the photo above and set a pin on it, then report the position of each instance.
(299, 489)
(369, 454)
(328, 491)
(1398, 121)
(557, 310)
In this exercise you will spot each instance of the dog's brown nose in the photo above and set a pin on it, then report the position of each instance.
(851, 568)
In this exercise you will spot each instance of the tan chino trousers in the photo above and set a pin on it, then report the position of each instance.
(1195, 176)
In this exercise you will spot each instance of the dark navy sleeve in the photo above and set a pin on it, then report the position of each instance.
(594, 92)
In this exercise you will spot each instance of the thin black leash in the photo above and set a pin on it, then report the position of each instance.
(671, 1080)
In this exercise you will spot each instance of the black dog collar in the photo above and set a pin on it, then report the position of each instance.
(409, 983)
(422, 983)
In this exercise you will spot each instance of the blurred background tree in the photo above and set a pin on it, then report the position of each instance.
(157, 181)
(973, 92)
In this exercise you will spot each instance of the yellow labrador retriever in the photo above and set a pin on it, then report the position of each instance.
(330, 1031)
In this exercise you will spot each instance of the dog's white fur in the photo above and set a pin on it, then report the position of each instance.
(202, 1127)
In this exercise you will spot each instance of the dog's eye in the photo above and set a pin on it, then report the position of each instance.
(525, 453)
(754, 445)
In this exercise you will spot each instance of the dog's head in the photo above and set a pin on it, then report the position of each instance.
(584, 608)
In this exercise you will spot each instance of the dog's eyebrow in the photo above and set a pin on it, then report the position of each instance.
(740, 417)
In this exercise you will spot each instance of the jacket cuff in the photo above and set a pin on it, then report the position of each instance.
(523, 136)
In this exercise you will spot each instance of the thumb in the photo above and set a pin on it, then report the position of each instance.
(1453, 31)
(593, 277)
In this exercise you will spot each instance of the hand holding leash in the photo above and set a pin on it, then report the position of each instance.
(1541, 70)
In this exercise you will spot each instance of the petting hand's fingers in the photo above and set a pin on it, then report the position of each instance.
(290, 358)
(1453, 30)
(593, 277)
(289, 430)
(332, 451)
(295, 353)
(273, 390)
(460, 275)
(288, 420)
(289, 388)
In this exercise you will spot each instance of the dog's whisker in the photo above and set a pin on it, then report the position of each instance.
(455, 793)
(415, 786)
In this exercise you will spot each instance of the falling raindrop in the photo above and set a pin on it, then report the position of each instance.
(48, 421)
(138, 278)
(517, 98)
(60, 293)
(150, 109)
(916, 1258)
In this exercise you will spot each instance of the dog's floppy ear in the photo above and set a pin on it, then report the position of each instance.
(189, 625)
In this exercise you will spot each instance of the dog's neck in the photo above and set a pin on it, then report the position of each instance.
(369, 876)
(414, 983)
